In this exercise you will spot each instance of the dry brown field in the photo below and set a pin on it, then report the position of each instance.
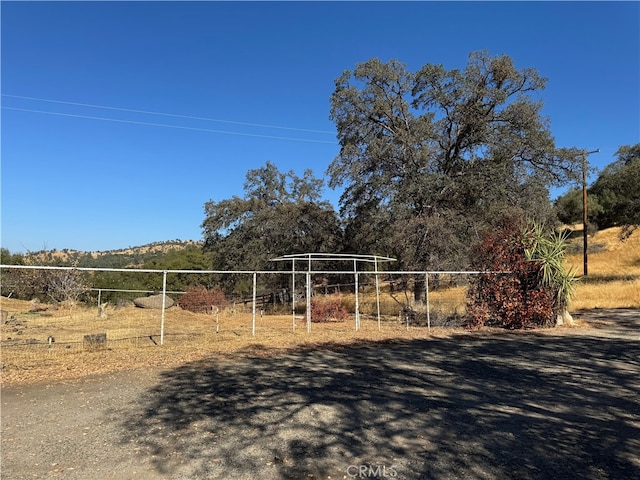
(613, 279)
(134, 337)
(134, 334)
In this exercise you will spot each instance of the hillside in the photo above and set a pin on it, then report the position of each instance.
(126, 257)
(613, 279)
(609, 253)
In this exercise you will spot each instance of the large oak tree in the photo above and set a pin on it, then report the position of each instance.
(429, 158)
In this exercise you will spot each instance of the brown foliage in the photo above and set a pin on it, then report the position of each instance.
(199, 299)
(512, 298)
(328, 309)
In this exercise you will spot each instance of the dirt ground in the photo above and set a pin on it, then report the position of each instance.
(560, 404)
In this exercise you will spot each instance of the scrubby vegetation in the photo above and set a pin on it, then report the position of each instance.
(199, 299)
(328, 309)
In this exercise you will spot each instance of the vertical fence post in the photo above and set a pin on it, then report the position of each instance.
(355, 274)
(309, 295)
(377, 291)
(309, 292)
(164, 298)
(253, 317)
(99, 296)
(426, 287)
(293, 294)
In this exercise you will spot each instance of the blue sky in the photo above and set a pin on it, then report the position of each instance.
(243, 83)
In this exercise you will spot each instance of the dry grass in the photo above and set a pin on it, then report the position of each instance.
(614, 256)
(133, 338)
(607, 294)
(614, 272)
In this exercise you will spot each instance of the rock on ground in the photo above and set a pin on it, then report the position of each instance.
(153, 301)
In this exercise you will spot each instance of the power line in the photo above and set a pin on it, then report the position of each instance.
(166, 114)
(170, 126)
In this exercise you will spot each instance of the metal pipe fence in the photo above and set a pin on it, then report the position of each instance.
(375, 300)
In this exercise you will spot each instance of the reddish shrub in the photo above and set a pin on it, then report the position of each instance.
(514, 298)
(328, 309)
(199, 299)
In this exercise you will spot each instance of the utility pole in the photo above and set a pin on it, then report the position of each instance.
(584, 207)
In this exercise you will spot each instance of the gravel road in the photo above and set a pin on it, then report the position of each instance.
(471, 406)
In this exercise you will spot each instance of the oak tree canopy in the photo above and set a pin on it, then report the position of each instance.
(429, 158)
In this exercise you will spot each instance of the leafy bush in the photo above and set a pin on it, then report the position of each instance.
(199, 299)
(531, 287)
(328, 309)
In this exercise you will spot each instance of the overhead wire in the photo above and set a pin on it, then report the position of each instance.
(174, 115)
(147, 112)
(169, 126)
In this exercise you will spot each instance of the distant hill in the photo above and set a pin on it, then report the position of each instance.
(122, 258)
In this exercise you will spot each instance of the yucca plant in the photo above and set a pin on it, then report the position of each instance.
(548, 250)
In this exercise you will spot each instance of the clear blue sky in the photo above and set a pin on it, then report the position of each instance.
(259, 75)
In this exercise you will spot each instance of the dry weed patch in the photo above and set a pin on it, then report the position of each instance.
(614, 272)
(607, 294)
(133, 338)
(618, 257)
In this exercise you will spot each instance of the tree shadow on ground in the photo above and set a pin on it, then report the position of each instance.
(473, 406)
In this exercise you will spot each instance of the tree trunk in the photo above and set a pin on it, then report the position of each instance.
(564, 318)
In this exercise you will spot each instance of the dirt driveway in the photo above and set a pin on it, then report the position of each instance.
(471, 406)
